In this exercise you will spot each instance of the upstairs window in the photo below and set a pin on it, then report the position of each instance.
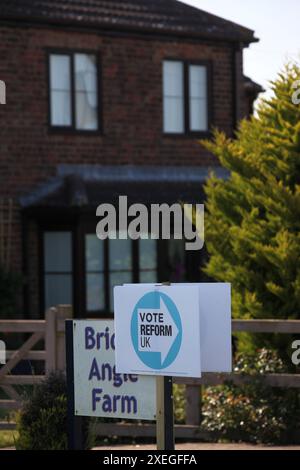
(74, 101)
(185, 97)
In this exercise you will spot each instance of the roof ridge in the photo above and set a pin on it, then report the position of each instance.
(172, 17)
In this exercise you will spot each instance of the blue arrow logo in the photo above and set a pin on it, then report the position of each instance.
(156, 330)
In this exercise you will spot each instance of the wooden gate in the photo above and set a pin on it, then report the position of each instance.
(48, 332)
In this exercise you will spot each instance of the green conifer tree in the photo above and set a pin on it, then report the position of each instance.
(252, 226)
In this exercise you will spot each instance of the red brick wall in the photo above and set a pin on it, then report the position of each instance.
(131, 105)
(131, 108)
(242, 105)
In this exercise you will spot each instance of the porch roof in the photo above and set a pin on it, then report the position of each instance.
(84, 186)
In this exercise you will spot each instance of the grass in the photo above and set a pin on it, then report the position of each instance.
(7, 438)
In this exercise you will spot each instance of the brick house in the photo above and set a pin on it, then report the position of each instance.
(107, 98)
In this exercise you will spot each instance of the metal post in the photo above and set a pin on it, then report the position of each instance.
(75, 428)
(164, 414)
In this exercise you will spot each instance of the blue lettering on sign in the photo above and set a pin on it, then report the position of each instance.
(107, 372)
(156, 330)
(113, 403)
(103, 339)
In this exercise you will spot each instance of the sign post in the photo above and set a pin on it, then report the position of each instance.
(165, 414)
(165, 411)
(75, 424)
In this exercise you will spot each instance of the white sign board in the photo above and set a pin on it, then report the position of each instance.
(99, 390)
(215, 325)
(157, 330)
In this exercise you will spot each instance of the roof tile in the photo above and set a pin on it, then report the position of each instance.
(158, 16)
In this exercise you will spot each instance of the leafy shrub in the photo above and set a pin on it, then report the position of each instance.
(42, 423)
(7, 439)
(179, 403)
(253, 412)
(252, 218)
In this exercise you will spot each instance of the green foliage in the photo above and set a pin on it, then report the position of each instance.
(7, 439)
(253, 221)
(10, 284)
(42, 423)
(179, 403)
(253, 413)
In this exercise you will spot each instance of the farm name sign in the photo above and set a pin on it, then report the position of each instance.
(99, 390)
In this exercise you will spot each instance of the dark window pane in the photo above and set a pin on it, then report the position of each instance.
(176, 260)
(58, 290)
(148, 254)
(94, 253)
(58, 252)
(117, 279)
(95, 295)
(147, 277)
(120, 255)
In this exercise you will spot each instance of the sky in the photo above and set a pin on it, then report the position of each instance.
(275, 22)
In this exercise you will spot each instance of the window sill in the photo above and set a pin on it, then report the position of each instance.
(100, 315)
(70, 131)
(188, 135)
